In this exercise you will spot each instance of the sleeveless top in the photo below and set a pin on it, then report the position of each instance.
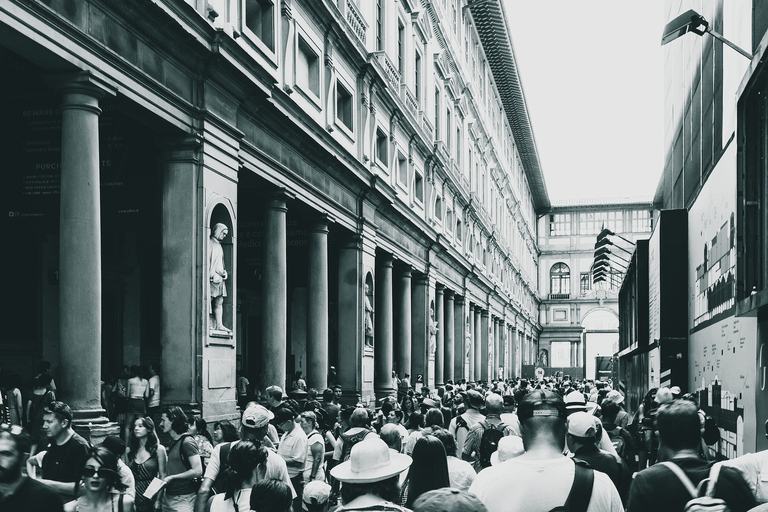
(144, 473)
(115, 505)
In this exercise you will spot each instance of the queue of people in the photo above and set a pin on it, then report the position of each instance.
(467, 447)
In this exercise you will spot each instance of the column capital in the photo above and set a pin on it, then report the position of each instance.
(439, 288)
(81, 82)
(459, 299)
(385, 260)
(321, 223)
(485, 313)
(449, 294)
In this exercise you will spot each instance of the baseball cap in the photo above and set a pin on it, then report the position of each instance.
(315, 492)
(541, 402)
(582, 424)
(256, 416)
(448, 500)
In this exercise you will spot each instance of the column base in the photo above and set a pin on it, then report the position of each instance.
(382, 393)
(94, 426)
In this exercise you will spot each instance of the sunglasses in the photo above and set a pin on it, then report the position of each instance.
(98, 473)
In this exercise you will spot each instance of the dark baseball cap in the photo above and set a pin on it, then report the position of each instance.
(541, 402)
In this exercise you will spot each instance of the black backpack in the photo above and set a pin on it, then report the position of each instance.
(623, 443)
(489, 442)
(221, 478)
(351, 440)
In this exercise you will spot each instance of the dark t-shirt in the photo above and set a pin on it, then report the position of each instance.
(658, 489)
(65, 463)
(176, 465)
(32, 496)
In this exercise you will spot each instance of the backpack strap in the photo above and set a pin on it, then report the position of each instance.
(581, 489)
(683, 478)
(714, 472)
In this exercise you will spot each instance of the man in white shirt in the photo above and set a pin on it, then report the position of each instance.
(541, 478)
(292, 448)
(153, 408)
(460, 425)
(253, 427)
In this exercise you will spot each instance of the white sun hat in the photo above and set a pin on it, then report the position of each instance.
(371, 460)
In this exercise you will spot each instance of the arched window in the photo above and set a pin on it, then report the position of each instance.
(559, 279)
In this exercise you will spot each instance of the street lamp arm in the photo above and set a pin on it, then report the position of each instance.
(719, 36)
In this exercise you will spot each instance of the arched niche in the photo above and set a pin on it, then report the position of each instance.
(220, 215)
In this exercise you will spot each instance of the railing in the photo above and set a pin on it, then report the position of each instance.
(393, 75)
(427, 125)
(355, 19)
(559, 296)
(410, 101)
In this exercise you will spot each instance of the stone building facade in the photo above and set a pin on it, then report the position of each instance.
(372, 162)
(579, 317)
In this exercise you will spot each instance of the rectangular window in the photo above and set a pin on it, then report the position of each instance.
(437, 114)
(259, 18)
(400, 48)
(343, 105)
(591, 223)
(418, 187)
(379, 25)
(381, 147)
(641, 221)
(417, 77)
(584, 283)
(402, 169)
(448, 129)
(307, 68)
(560, 224)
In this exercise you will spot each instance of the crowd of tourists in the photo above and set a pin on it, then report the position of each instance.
(502, 446)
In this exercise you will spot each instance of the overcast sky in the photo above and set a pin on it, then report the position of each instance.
(592, 73)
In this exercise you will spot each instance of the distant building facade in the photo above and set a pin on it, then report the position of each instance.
(579, 317)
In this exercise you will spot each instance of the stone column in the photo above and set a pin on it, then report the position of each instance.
(440, 336)
(274, 318)
(484, 341)
(450, 336)
(317, 306)
(478, 345)
(471, 349)
(402, 322)
(498, 354)
(349, 346)
(383, 349)
(460, 335)
(80, 247)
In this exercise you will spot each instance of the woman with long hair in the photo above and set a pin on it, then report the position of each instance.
(224, 432)
(99, 478)
(146, 457)
(243, 473)
(39, 399)
(408, 406)
(198, 429)
(428, 471)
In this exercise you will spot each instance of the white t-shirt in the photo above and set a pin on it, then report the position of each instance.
(154, 385)
(539, 486)
(243, 498)
(275, 466)
(293, 447)
(472, 417)
(754, 469)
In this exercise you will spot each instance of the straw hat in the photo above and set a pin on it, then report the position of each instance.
(369, 461)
